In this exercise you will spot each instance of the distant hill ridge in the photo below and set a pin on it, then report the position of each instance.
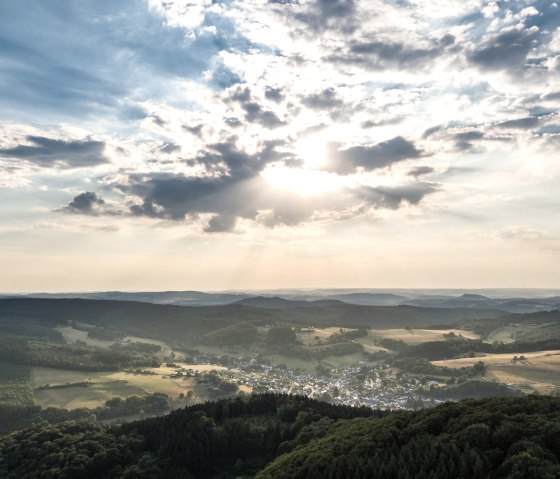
(182, 322)
(423, 298)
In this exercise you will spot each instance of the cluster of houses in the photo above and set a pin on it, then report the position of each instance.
(371, 383)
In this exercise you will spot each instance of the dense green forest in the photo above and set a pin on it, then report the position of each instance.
(65, 356)
(189, 324)
(276, 437)
(16, 415)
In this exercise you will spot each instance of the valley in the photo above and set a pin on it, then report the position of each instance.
(78, 355)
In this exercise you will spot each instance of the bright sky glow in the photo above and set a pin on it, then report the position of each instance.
(179, 144)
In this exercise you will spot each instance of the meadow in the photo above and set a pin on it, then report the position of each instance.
(66, 389)
(538, 371)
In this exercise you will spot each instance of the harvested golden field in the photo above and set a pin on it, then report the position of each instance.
(539, 370)
(415, 336)
(546, 359)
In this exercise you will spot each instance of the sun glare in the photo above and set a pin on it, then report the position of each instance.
(312, 151)
(301, 181)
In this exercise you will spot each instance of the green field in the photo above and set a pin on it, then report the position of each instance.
(102, 386)
(15, 385)
(94, 395)
(72, 335)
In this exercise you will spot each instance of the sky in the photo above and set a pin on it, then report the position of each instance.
(212, 145)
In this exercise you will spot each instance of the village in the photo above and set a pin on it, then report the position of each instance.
(371, 383)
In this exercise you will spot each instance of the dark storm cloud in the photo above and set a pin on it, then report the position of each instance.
(373, 157)
(520, 123)
(47, 152)
(85, 203)
(505, 51)
(394, 197)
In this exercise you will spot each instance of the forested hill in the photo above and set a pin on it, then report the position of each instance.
(168, 320)
(281, 437)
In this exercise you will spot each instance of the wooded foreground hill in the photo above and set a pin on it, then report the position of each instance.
(273, 436)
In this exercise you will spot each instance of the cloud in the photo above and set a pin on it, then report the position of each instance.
(234, 188)
(520, 123)
(254, 113)
(379, 54)
(518, 233)
(370, 158)
(220, 224)
(507, 50)
(85, 203)
(463, 140)
(74, 59)
(328, 99)
(421, 171)
(385, 122)
(274, 94)
(327, 15)
(227, 191)
(266, 118)
(432, 130)
(47, 152)
(393, 197)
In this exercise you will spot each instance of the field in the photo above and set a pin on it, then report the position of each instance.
(539, 371)
(91, 396)
(72, 335)
(511, 333)
(316, 338)
(415, 336)
(15, 386)
(103, 386)
(339, 362)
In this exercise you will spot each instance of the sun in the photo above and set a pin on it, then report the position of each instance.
(312, 151)
(302, 181)
(309, 179)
